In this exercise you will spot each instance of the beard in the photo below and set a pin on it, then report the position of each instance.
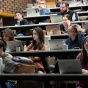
(64, 12)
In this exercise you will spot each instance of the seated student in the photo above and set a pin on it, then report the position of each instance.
(79, 3)
(21, 21)
(58, 3)
(43, 11)
(64, 9)
(7, 35)
(83, 56)
(75, 38)
(66, 22)
(37, 44)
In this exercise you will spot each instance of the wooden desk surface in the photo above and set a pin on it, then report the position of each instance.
(4, 14)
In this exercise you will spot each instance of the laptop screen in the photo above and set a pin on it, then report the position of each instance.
(69, 66)
(56, 18)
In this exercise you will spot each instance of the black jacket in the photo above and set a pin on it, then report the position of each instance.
(73, 15)
(22, 30)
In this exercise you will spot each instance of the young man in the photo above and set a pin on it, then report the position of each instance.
(64, 9)
(21, 21)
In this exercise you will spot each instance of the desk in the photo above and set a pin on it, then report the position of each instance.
(37, 25)
(46, 53)
(84, 13)
(71, 8)
(44, 77)
(63, 36)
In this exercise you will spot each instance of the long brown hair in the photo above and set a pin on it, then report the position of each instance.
(41, 37)
(84, 53)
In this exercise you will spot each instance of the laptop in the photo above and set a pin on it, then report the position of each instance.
(72, 3)
(70, 66)
(53, 29)
(12, 45)
(32, 12)
(29, 5)
(56, 44)
(56, 18)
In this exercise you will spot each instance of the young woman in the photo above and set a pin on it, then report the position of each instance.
(83, 56)
(37, 44)
(7, 35)
(66, 21)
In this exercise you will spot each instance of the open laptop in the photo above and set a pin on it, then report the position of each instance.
(56, 44)
(29, 5)
(32, 12)
(53, 29)
(72, 3)
(12, 45)
(70, 66)
(56, 18)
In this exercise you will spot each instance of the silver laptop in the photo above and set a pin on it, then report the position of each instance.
(69, 66)
(56, 44)
(13, 45)
(56, 18)
(29, 5)
(72, 3)
(32, 12)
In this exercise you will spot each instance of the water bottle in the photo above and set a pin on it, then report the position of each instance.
(0, 65)
(65, 46)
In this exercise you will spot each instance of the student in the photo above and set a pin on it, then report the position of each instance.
(66, 22)
(43, 11)
(7, 35)
(58, 3)
(75, 39)
(21, 21)
(79, 3)
(64, 9)
(37, 44)
(83, 56)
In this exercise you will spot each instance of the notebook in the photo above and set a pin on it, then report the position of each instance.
(69, 66)
(56, 18)
(53, 29)
(32, 12)
(56, 44)
(12, 45)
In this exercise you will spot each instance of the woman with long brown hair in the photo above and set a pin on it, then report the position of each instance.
(37, 44)
(83, 56)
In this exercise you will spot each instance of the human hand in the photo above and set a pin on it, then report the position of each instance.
(84, 71)
(68, 23)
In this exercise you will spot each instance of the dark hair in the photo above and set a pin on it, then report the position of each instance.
(66, 3)
(9, 32)
(67, 16)
(2, 45)
(19, 11)
(41, 37)
(84, 53)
